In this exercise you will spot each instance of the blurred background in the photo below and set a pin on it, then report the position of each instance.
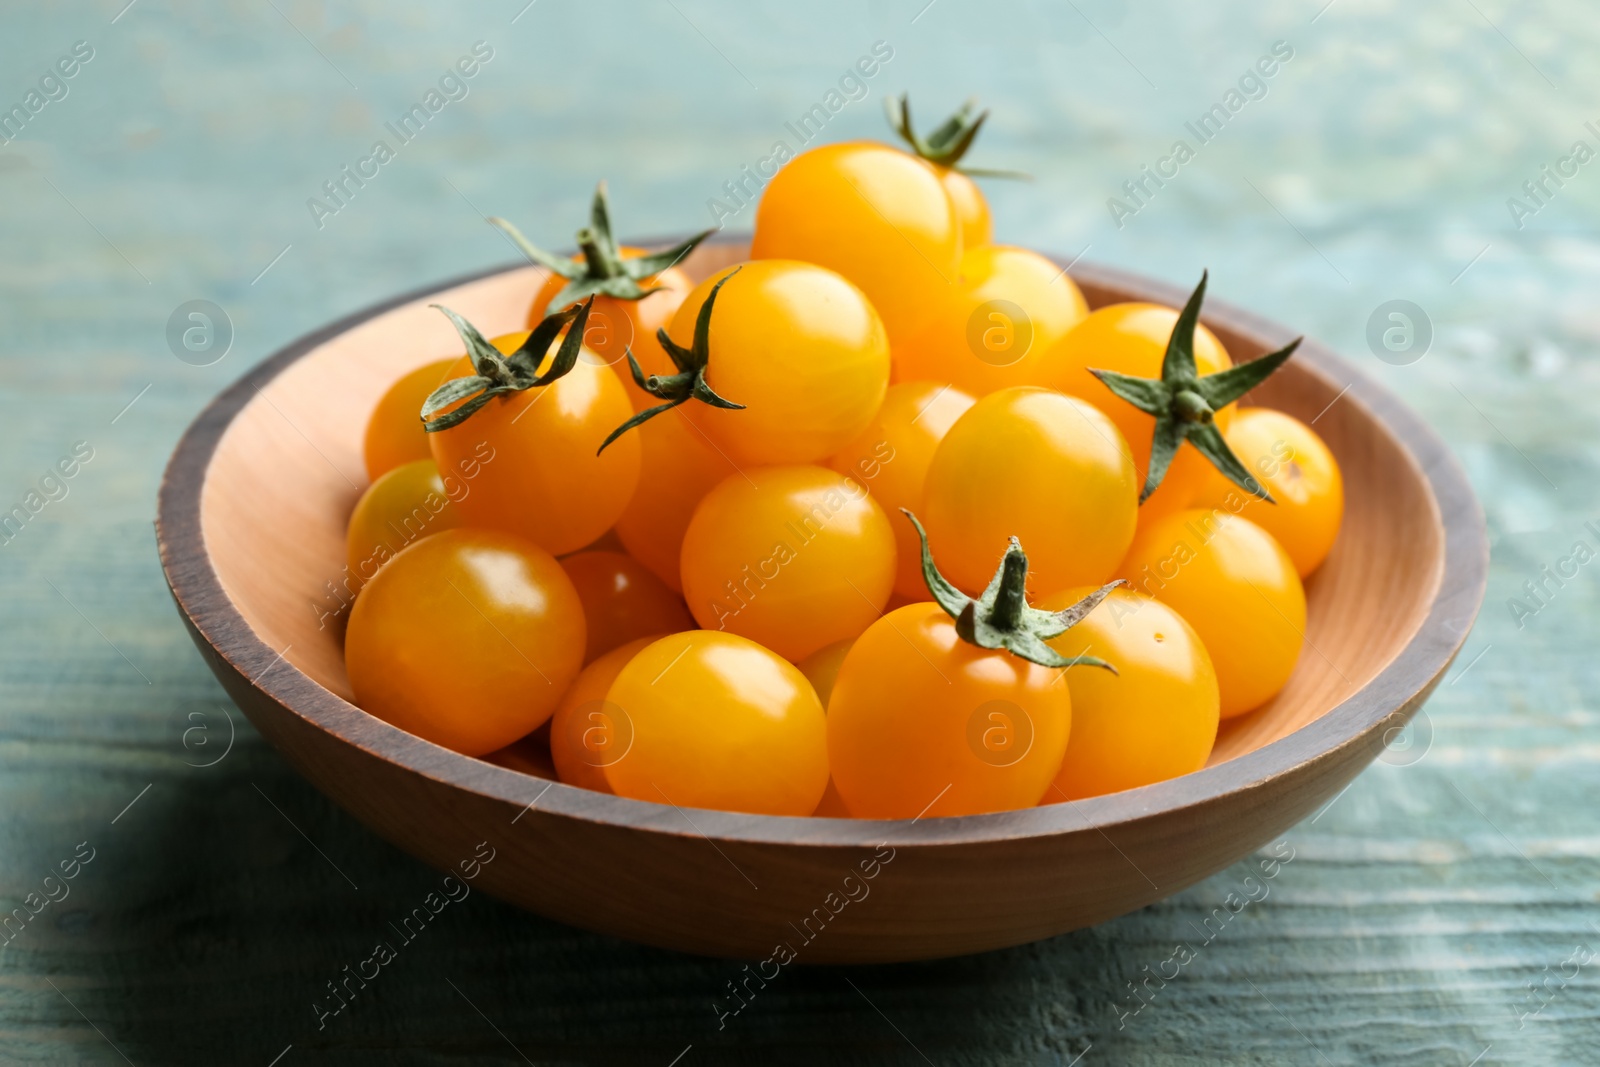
(1442, 911)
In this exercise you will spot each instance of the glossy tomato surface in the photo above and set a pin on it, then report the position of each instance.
(622, 600)
(1034, 464)
(1298, 469)
(394, 433)
(585, 732)
(467, 639)
(994, 327)
(717, 721)
(792, 557)
(800, 348)
(876, 215)
(1237, 587)
(1132, 339)
(922, 723)
(545, 482)
(1154, 719)
(405, 503)
(891, 459)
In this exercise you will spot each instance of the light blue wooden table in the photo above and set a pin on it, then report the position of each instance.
(1441, 911)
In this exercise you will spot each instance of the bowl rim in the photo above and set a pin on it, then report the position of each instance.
(1397, 689)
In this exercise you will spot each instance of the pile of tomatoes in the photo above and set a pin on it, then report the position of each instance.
(883, 522)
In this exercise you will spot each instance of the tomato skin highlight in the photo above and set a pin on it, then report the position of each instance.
(891, 459)
(1034, 464)
(920, 722)
(405, 503)
(583, 727)
(678, 467)
(876, 215)
(994, 328)
(467, 638)
(394, 434)
(792, 557)
(971, 207)
(1298, 469)
(545, 481)
(616, 326)
(1132, 339)
(1236, 586)
(622, 600)
(719, 722)
(803, 351)
(1155, 719)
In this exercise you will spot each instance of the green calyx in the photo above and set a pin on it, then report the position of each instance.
(690, 381)
(1185, 404)
(499, 375)
(1002, 617)
(602, 269)
(949, 141)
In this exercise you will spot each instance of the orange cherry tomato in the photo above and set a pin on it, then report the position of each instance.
(622, 600)
(792, 557)
(1237, 587)
(1297, 468)
(876, 215)
(972, 209)
(891, 459)
(405, 503)
(993, 329)
(800, 348)
(537, 474)
(584, 732)
(717, 721)
(1049, 469)
(394, 431)
(1132, 339)
(922, 723)
(1155, 719)
(678, 466)
(467, 639)
(616, 327)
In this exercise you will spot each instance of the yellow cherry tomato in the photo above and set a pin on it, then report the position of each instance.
(467, 639)
(800, 348)
(822, 667)
(1237, 587)
(546, 483)
(678, 466)
(1031, 463)
(622, 600)
(717, 721)
(616, 327)
(972, 210)
(994, 327)
(1132, 339)
(793, 557)
(922, 723)
(876, 215)
(1297, 468)
(394, 431)
(405, 503)
(585, 732)
(891, 459)
(1155, 719)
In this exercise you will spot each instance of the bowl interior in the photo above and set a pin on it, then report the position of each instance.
(288, 470)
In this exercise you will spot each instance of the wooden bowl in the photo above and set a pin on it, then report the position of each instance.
(251, 530)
